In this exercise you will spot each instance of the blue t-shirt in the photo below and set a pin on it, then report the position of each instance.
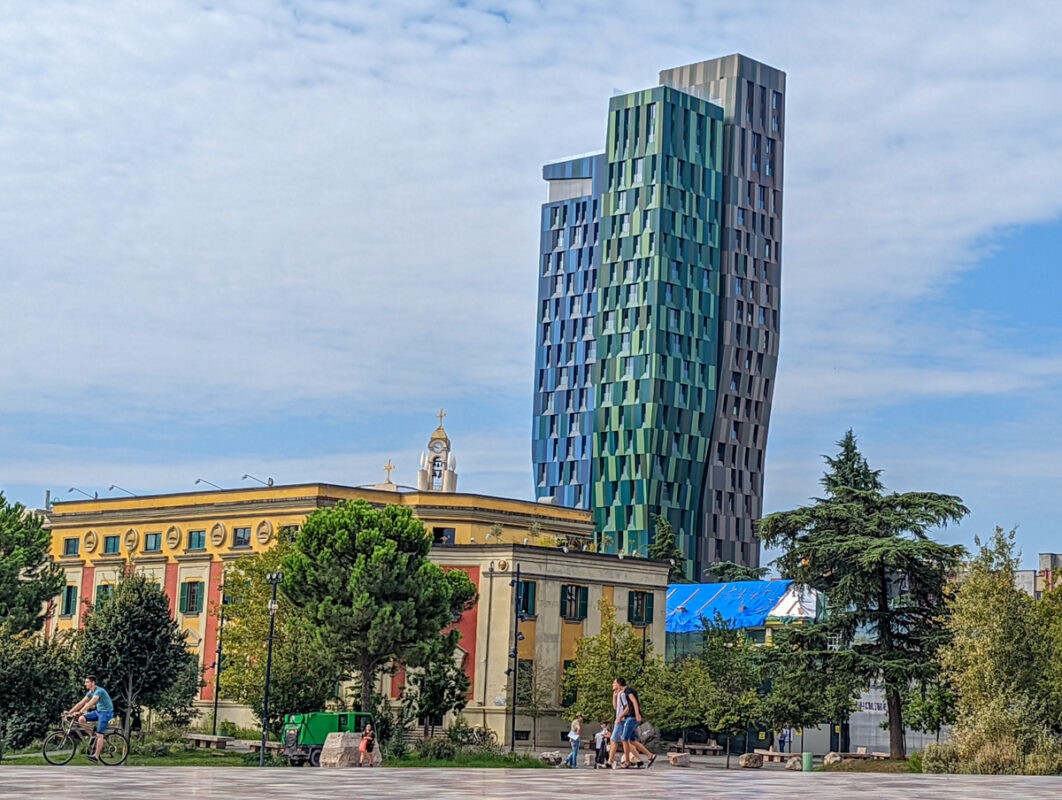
(104, 703)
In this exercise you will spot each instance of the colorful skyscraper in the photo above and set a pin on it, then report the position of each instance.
(658, 313)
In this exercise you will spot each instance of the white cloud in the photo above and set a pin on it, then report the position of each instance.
(228, 210)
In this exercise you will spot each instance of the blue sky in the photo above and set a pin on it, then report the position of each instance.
(275, 238)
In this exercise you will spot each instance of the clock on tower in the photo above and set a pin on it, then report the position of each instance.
(438, 467)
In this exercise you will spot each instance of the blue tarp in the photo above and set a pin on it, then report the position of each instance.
(743, 604)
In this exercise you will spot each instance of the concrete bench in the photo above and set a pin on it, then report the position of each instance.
(773, 755)
(205, 740)
(255, 746)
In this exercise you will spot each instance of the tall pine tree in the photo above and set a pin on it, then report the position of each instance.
(884, 578)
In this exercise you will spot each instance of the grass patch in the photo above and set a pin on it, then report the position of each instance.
(180, 758)
(471, 760)
(888, 765)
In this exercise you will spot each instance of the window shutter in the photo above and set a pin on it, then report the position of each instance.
(631, 618)
(183, 607)
(198, 598)
(584, 594)
(564, 600)
(648, 608)
(530, 604)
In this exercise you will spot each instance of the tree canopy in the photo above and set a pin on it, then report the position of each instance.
(28, 576)
(305, 670)
(663, 548)
(1002, 664)
(134, 647)
(364, 578)
(728, 571)
(885, 579)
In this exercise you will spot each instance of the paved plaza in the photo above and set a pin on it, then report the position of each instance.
(236, 783)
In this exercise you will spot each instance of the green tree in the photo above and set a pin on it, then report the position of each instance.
(615, 652)
(728, 572)
(439, 686)
(28, 577)
(930, 707)
(733, 699)
(1001, 662)
(536, 697)
(38, 680)
(884, 578)
(663, 548)
(306, 670)
(364, 578)
(810, 682)
(685, 689)
(134, 647)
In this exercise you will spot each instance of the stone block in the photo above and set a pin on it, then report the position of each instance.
(678, 759)
(795, 763)
(341, 750)
(750, 761)
(551, 757)
(832, 758)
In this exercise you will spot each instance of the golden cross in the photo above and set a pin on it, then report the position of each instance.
(387, 468)
(440, 415)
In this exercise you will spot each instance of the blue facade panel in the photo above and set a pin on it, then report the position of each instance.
(565, 344)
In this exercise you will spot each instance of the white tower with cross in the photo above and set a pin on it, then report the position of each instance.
(438, 467)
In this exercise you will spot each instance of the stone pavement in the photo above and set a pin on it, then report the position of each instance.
(237, 783)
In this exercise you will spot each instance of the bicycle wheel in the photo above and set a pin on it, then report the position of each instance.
(115, 749)
(59, 748)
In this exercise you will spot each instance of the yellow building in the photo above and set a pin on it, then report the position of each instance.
(184, 540)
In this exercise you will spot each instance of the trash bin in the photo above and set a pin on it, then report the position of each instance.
(806, 766)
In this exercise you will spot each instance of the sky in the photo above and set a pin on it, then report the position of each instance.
(274, 238)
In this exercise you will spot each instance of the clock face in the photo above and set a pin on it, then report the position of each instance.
(437, 447)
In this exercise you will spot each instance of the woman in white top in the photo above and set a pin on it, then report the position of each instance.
(574, 736)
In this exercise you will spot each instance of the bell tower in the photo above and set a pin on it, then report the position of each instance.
(438, 467)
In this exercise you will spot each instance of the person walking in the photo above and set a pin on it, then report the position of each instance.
(574, 737)
(632, 746)
(619, 703)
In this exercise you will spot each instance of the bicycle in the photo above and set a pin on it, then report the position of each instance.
(60, 746)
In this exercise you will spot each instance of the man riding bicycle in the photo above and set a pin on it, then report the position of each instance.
(96, 707)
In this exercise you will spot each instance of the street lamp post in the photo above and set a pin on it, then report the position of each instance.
(518, 605)
(273, 579)
(217, 661)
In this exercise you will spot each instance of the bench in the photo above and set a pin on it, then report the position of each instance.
(773, 755)
(200, 740)
(255, 746)
(709, 749)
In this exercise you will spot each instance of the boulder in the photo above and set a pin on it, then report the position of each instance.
(341, 750)
(832, 758)
(551, 757)
(678, 759)
(795, 763)
(750, 761)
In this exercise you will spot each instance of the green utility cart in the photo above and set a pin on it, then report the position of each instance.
(304, 734)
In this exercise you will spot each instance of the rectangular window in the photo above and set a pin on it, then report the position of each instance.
(152, 542)
(69, 601)
(103, 591)
(241, 537)
(70, 546)
(197, 540)
(111, 545)
(573, 602)
(525, 597)
(191, 597)
(640, 608)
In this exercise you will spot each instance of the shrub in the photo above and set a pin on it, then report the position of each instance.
(914, 761)
(941, 759)
(436, 749)
(459, 732)
(151, 748)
